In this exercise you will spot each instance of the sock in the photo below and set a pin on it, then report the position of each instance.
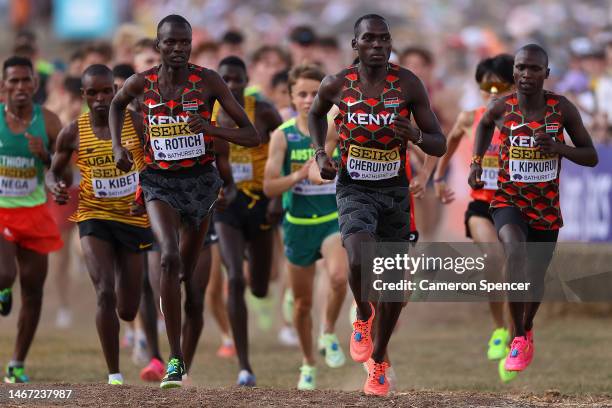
(116, 376)
(227, 340)
(15, 363)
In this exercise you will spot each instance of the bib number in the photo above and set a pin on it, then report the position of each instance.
(115, 187)
(366, 163)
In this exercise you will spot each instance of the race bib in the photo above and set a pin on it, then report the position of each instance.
(490, 171)
(528, 164)
(174, 141)
(242, 166)
(305, 187)
(18, 182)
(112, 183)
(365, 163)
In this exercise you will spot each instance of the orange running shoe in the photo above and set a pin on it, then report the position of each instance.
(377, 382)
(226, 350)
(361, 340)
(153, 372)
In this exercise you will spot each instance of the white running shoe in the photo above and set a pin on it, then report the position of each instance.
(288, 337)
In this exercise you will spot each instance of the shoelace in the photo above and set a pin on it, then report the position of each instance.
(518, 346)
(380, 370)
(173, 366)
(361, 326)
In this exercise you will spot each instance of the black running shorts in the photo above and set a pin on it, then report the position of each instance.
(476, 208)
(384, 212)
(130, 237)
(247, 213)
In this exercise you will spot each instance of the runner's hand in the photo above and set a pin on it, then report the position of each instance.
(274, 211)
(123, 158)
(226, 196)
(546, 143)
(418, 185)
(302, 173)
(314, 176)
(137, 209)
(327, 167)
(60, 192)
(404, 129)
(37, 147)
(474, 179)
(444, 193)
(197, 124)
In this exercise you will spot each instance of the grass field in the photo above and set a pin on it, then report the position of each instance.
(438, 353)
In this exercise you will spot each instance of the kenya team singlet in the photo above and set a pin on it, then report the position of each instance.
(371, 153)
(528, 178)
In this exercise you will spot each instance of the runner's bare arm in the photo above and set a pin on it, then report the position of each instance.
(59, 177)
(428, 137)
(482, 140)
(53, 125)
(583, 153)
(229, 190)
(274, 184)
(133, 87)
(138, 124)
(327, 96)
(245, 134)
(269, 116)
(331, 142)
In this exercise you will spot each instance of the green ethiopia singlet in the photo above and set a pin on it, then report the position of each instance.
(21, 173)
(306, 203)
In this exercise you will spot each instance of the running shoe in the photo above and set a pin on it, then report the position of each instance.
(504, 375)
(520, 356)
(391, 376)
(63, 318)
(308, 378)
(353, 313)
(115, 381)
(226, 350)
(377, 382)
(498, 343)
(15, 375)
(288, 337)
(361, 341)
(174, 374)
(246, 379)
(153, 372)
(6, 301)
(288, 302)
(334, 356)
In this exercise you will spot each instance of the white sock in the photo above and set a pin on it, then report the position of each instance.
(116, 376)
(227, 340)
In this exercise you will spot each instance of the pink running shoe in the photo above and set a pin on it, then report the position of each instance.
(377, 382)
(153, 372)
(361, 339)
(520, 356)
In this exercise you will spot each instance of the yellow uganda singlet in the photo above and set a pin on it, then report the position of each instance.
(247, 163)
(107, 193)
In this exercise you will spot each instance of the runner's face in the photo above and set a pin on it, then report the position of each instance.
(235, 78)
(174, 43)
(530, 71)
(98, 91)
(280, 96)
(373, 44)
(19, 84)
(492, 85)
(303, 93)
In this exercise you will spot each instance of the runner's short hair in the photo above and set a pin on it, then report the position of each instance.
(173, 19)
(305, 71)
(123, 71)
(422, 52)
(535, 48)
(501, 65)
(281, 77)
(367, 17)
(16, 61)
(260, 52)
(234, 61)
(97, 70)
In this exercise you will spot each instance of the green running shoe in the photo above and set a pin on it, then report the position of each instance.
(504, 375)
(288, 306)
(264, 310)
(308, 378)
(174, 374)
(16, 375)
(6, 301)
(115, 382)
(334, 356)
(498, 343)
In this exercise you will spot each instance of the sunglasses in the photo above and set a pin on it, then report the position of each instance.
(495, 87)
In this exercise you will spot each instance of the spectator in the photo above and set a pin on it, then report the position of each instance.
(267, 60)
(206, 55)
(302, 45)
(146, 55)
(232, 43)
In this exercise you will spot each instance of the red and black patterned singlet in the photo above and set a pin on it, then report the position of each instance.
(529, 179)
(168, 142)
(371, 153)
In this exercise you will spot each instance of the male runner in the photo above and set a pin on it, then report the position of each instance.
(310, 227)
(246, 223)
(375, 100)
(27, 139)
(179, 183)
(112, 239)
(525, 206)
(494, 76)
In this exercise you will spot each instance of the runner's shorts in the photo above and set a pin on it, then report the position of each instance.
(31, 228)
(192, 192)
(476, 208)
(247, 213)
(121, 235)
(384, 212)
(303, 242)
